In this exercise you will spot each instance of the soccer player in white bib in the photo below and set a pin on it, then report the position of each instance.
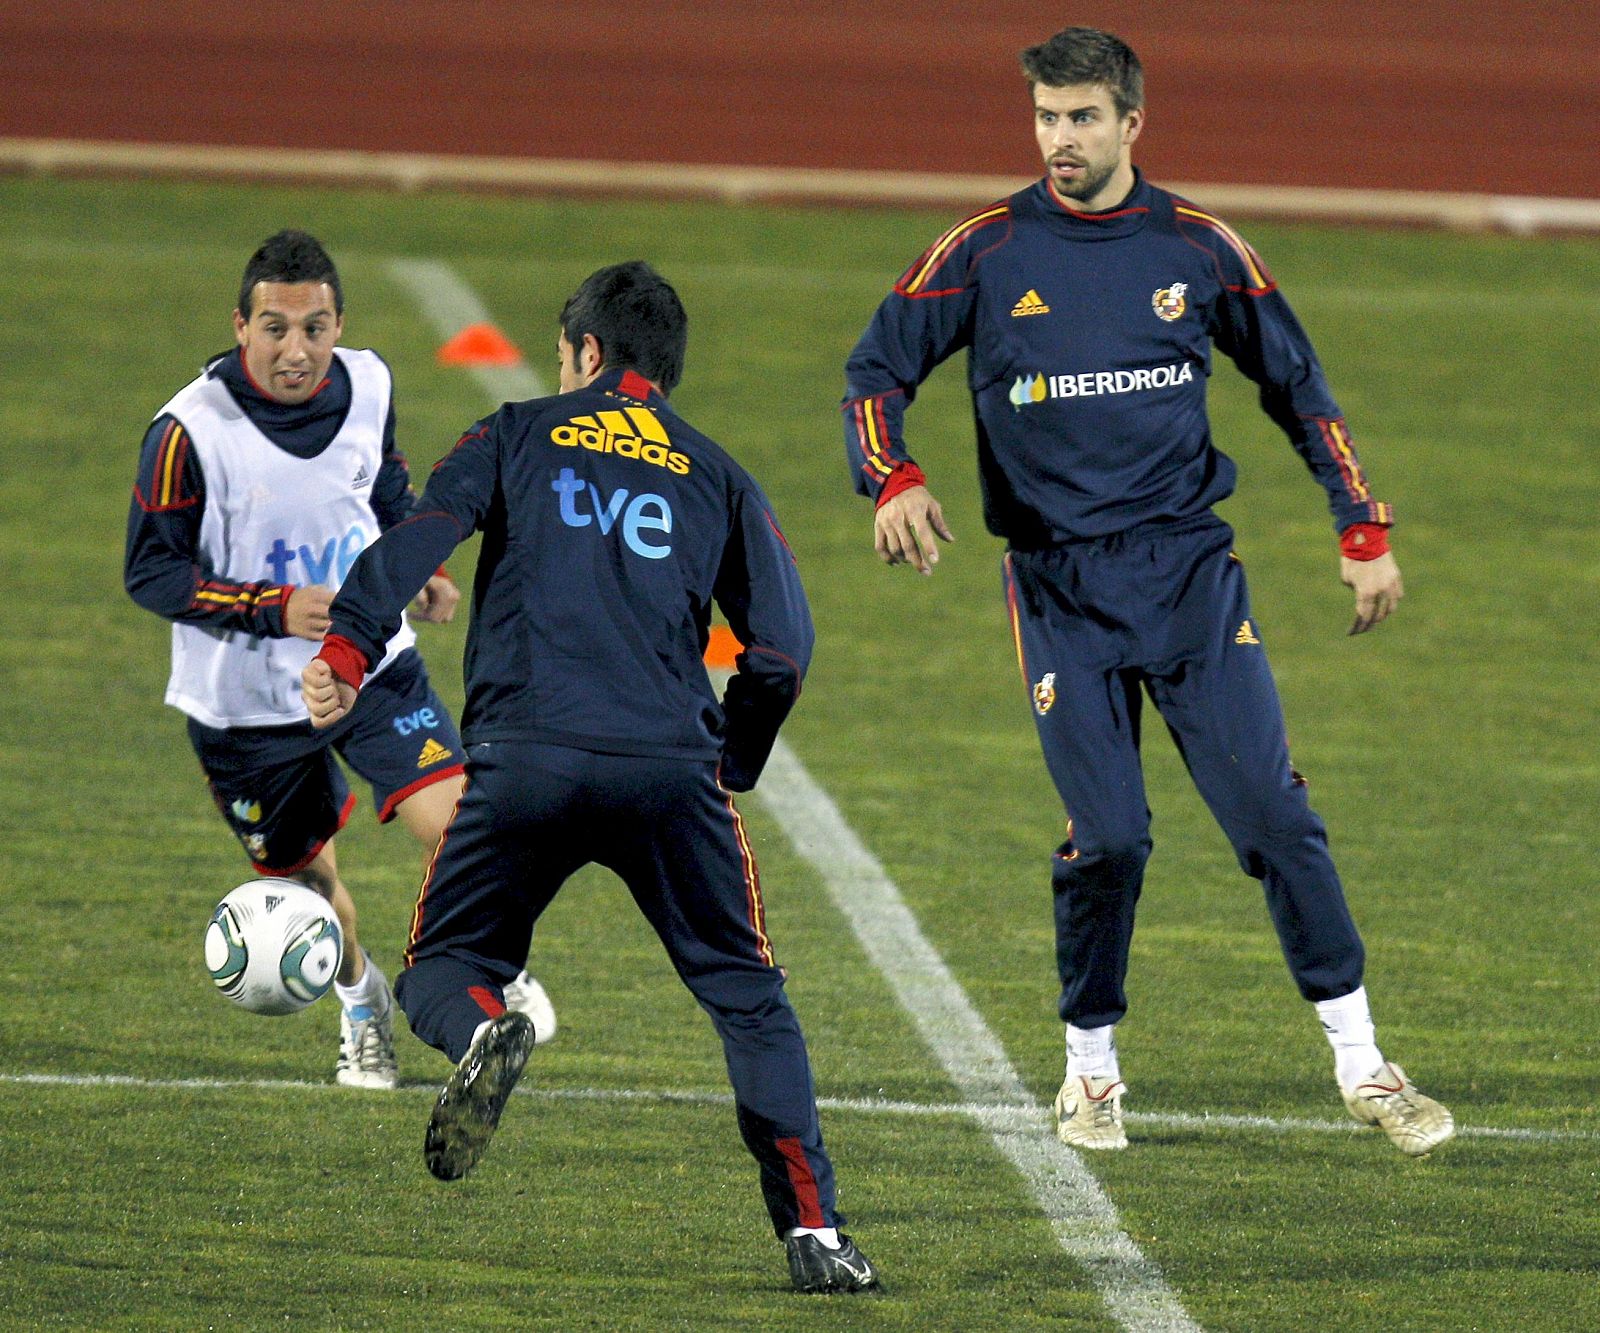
(259, 484)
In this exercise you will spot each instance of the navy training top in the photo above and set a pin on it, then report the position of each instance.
(1089, 341)
(610, 526)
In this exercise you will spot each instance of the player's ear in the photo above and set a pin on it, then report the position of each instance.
(240, 324)
(591, 356)
(1132, 123)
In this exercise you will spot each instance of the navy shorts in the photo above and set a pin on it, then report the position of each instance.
(281, 789)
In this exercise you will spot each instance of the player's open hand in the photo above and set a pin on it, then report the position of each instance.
(904, 527)
(306, 615)
(436, 603)
(1378, 588)
(327, 697)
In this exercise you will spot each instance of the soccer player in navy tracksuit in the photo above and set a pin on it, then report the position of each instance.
(610, 527)
(1088, 305)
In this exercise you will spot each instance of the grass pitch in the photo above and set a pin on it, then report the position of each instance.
(1453, 753)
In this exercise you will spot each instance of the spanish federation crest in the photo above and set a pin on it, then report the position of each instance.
(1044, 693)
(1169, 302)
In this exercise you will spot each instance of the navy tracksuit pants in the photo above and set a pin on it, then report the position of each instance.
(533, 814)
(1163, 609)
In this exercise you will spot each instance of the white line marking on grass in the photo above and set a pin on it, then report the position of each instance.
(1012, 1118)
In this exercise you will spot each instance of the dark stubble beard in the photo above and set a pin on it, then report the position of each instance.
(1090, 185)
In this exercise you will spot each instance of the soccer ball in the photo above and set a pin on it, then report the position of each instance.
(273, 946)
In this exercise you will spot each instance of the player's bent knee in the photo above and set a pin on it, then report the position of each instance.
(1100, 867)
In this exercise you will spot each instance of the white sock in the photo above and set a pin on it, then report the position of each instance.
(1348, 1023)
(829, 1236)
(371, 991)
(1092, 1052)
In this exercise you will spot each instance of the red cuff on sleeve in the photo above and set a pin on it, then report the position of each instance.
(282, 608)
(443, 573)
(903, 478)
(349, 663)
(1364, 541)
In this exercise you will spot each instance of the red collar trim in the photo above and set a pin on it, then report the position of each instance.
(1090, 217)
(634, 385)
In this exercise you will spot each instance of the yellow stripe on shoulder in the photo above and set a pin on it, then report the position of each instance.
(1259, 277)
(940, 250)
(167, 493)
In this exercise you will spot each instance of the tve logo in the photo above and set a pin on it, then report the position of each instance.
(335, 559)
(424, 719)
(646, 512)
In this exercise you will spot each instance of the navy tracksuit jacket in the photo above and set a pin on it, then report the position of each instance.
(610, 527)
(1089, 340)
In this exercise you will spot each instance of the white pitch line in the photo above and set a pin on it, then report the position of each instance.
(1084, 1219)
(1030, 1116)
(1013, 1119)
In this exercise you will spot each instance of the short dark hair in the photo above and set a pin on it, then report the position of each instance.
(289, 256)
(636, 318)
(1087, 55)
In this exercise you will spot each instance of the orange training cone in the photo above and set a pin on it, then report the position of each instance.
(479, 345)
(722, 648)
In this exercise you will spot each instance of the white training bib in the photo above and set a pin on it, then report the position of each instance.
(272, 517)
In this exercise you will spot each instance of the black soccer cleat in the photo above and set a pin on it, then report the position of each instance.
(468, 1110)
(813, 1267)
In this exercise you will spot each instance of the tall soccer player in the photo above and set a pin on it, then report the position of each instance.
(259, 483)
(1089, 305)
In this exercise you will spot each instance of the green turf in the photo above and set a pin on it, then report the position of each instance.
(1453, 753)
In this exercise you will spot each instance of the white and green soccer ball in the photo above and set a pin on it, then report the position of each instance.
(274, 946)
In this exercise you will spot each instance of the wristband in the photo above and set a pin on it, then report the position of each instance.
(349, 663)
(903, 478)
(1364, 541)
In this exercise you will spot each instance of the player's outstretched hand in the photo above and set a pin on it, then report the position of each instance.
(306, 615)
(1378, 588)
(327, 697)
(904, 527)
(436, 603)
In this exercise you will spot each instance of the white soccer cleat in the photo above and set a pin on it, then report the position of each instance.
(1388, 1099)
(1089, 1112)
(527, 996)
(366, 1048)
